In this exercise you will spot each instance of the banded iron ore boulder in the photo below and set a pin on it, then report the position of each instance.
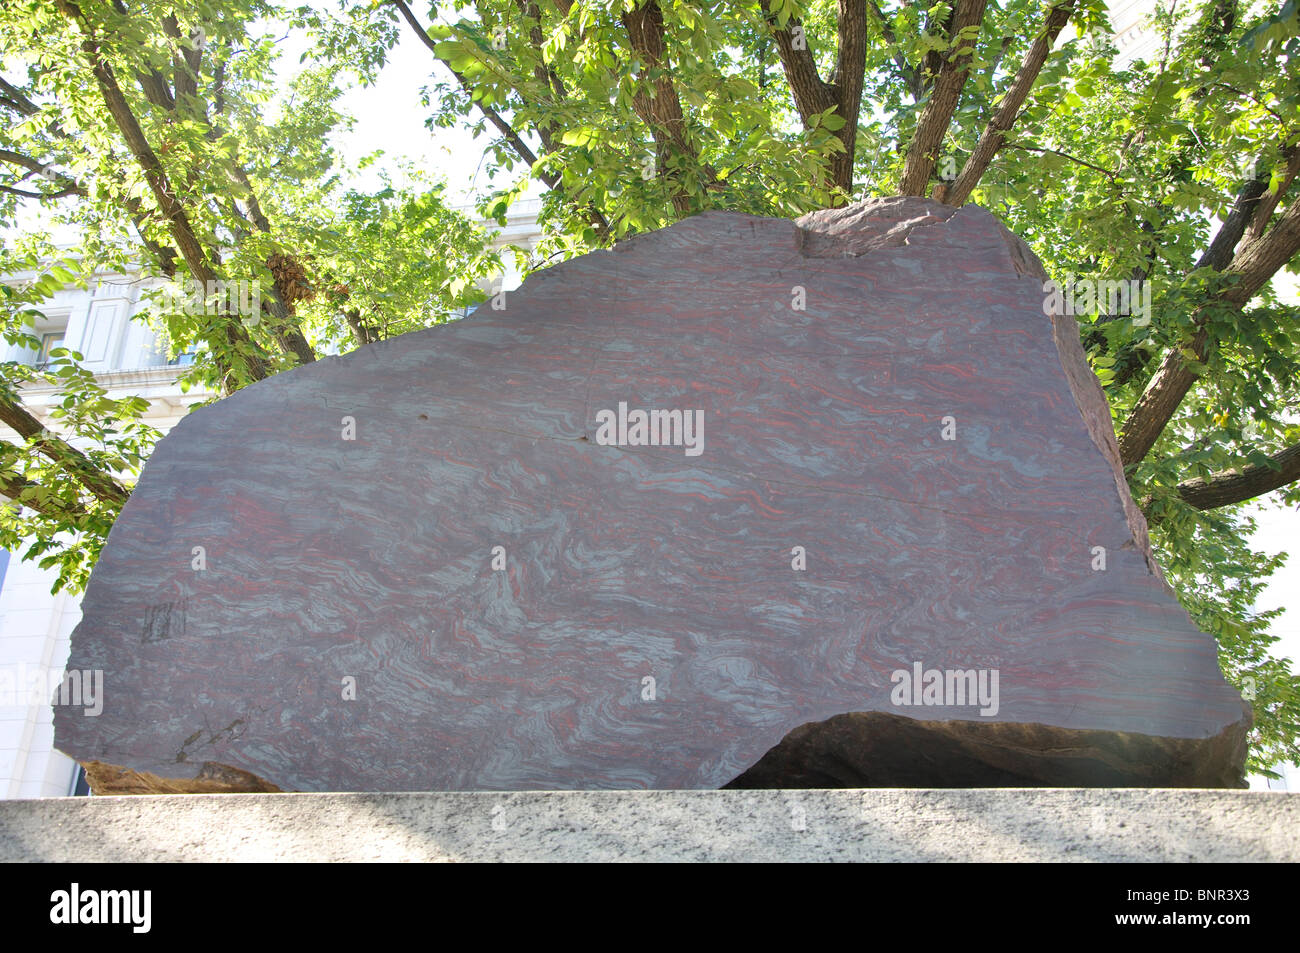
(651, 627)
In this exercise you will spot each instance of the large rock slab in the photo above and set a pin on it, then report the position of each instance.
(423, 565)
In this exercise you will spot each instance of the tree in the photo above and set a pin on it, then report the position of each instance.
(1175, 172)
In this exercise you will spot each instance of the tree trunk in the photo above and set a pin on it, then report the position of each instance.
(937, 115)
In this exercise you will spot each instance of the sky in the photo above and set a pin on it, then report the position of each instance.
(389, 116)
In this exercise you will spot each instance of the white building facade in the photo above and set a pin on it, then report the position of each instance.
(35, 625)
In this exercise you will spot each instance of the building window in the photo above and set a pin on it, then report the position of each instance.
(80, 788)
(49, 341)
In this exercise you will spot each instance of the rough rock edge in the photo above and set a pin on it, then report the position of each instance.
(889, 222)
(893, 751)
(875, 223)
(898, 751)
(213, 778)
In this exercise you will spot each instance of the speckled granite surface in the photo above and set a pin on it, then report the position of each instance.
(1094, 825)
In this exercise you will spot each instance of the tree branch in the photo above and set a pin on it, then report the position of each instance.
(353, 317)
(15, 99)
(1252, 267)
(521, 148)
(661, 109)
(812, 95)
(1251, 210)
(12, 487)
(543, 73)
(47, 171)
(185, 60)
(165, 256)
(1268, 201)
(1243, 483)
(995, 133)
(236, 338)
(1064, 155)
(911, 74)
(288, 332)
(516, 142)
(73, 462)
(938, 112)
(43, 196)
(850, 68)
(1225, 241)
